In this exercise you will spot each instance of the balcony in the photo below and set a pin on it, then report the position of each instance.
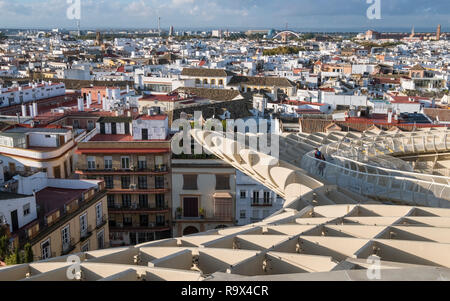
(137, 227)
(40, 258)
(85, 234)
(262, 203)
(158, 170)
(67, 247)
(135, 208)
(102, 221)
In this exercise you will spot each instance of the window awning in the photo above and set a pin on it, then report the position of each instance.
(222, 195)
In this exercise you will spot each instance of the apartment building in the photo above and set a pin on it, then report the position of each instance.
(56, 216)
(132, 156)
(203, 195)
(254, 201)
(208, 78)
(49, 148)
(29, 93)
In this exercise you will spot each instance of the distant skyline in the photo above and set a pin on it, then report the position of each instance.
(300, 15)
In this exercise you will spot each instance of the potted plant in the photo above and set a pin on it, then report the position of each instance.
(179, 212)
(202, 213)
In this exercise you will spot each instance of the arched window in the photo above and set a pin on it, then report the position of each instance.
(205, 81)
(190, 230)
(221, 227)
(213, 82)
(197, 81)
(220, 82)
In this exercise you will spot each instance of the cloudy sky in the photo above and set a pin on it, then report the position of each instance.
(232, 14)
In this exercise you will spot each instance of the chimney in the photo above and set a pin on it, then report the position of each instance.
(390, 117)
(80, 104)
(24, 110)
(35, 109)
(30, 108)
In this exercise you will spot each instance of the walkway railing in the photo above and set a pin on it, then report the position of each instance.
(381, 186)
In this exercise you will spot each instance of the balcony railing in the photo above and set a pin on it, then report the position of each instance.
(262, 202)
(67, 247)
(85, 234)
(137, 207)
(149, 226)
(107, 169)
(102, 221)
(39, 258)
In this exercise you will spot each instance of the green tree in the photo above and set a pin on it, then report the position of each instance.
(14, 258)
(28, 253)
(3, 247)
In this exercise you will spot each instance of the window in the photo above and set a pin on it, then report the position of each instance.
(190, 182)
(99, 213)
(108, 163)
(143, 201)
(127, 221)
(190, 207)
(243, 213)
(159, 162)
(159, 182)
(101, 240)
(142, 182)
(255, 197)
(91, 162)
(255, 214)
(76, 124)
(243, 194)
(160, 201)
(126, 180)
(142, 163)
(91, 125)
(222, 182)
(111, 201)
(126, 200)
(85, 247)
(26, 209)
(83, 225)
(266, 197)
(125, 162)
(221, 82)
(160, 220)
(65, 235)
(45, 249)
(109, 182)
(143, 220)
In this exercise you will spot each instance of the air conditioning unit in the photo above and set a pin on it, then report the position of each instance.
(133, 186)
